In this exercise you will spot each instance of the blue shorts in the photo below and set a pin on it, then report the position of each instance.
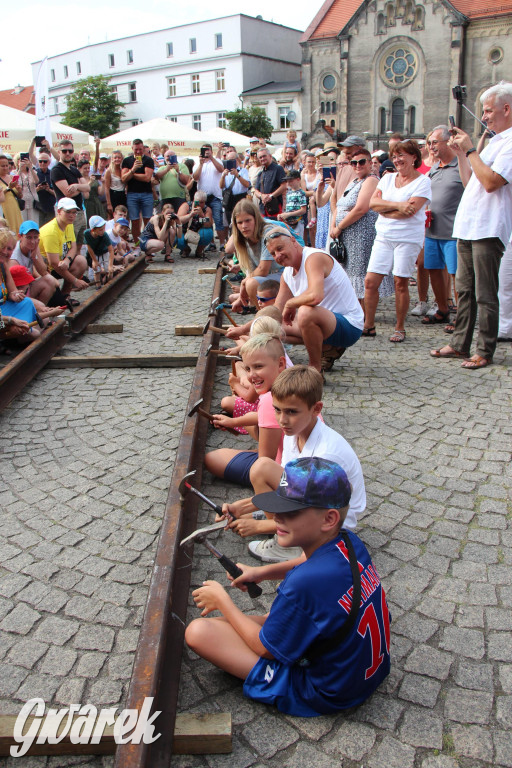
(239, 468)
(272, 276)
(345, 334)
(205, 237)
(215, 203)
(140, 203)
(440, 254)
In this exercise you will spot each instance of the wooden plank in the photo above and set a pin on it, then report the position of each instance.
(207, 271)
(123, 361)
(193, 735)
(157, 271)
(104, 328)
(192, 330)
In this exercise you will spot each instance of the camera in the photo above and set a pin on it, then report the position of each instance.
(39, 141)
(202, 151)
(459, 93)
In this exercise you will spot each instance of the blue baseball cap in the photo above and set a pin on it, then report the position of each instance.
(308, 482)
(123, 222)
(96, 221)
(28, 226)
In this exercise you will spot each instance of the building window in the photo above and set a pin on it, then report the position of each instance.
(398, 66)
(329, 83)
(193, 45)
(328, 107)
(196, 86)
(283, 117)
(218, 40)
(134, 123)
(170, 50)
(129, 57)
(412, 120)
(221, 120)
(172, 118)
(132, 91)
(55, 101)
(111, 60)
(397, 116)
(333, 107)
(52, 75)
(66, 72)
(495, 55)
(220, 83)
(113, 88)
(196, 122)
(78, 68)
(382, 120)
(322, 107)
(171, 86)
(333, 123)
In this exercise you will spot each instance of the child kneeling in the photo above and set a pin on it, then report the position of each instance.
(298, 657)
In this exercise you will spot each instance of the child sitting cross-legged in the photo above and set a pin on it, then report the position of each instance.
(324, 645)
(297, 401)
(263, 358)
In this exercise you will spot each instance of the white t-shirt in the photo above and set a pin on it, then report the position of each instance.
(25, 261)
(411, 229)
(484, 214)
(209, 180)
(325, 443)
(339, 295)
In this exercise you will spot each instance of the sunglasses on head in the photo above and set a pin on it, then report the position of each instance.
(358, 162)
(274, 235)
(263, 299)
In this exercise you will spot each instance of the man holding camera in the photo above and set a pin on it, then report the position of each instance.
(208, 174)
(137, 172)
(234, 182)
(197, 219)
(173, 178)
(483, 225)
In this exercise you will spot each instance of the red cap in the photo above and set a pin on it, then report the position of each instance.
(21, 275)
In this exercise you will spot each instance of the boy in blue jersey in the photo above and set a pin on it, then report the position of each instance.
(312, 604)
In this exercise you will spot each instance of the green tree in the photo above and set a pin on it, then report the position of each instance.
(250, 122)
(92, 106)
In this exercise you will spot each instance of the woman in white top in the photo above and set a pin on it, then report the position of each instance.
(400, 200)
(115, 189)
(309, 182)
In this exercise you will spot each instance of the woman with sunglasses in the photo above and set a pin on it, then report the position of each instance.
(400, 200)
(355, 224)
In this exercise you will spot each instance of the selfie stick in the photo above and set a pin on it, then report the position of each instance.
(491, 133)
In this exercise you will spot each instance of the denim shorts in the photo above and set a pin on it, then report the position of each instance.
(215, 204)
(345, 334)
(140, 203)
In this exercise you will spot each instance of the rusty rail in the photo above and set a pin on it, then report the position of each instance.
(158, 658)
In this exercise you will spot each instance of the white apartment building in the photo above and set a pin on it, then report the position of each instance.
(192, 74)
(282, 102)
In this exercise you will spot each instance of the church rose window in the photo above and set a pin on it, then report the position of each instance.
(398, 66)
(329, 82)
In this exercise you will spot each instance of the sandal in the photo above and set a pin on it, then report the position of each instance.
(446, 355)
(452, 306)
(329, 355)
(412, 281)
(369, 332)
(477, 361)
(169, 260)
(437, 317)
(397, 337)
(449, 328)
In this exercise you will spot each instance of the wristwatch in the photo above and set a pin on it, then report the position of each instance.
(470, 151)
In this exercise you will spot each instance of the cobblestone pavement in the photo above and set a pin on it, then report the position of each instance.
(87, 457)
(435, 445)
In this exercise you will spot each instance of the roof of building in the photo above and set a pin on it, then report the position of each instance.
(21, 97)
(286, 86)
(334, 15)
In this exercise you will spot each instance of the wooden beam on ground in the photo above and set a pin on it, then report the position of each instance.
(192, 330)
(207, 271)
(104, 328)
(193, 735)
(123, 361)
(157, 271)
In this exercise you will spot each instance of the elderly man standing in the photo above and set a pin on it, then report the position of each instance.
(483, 226)
(447, 180)
(316, 298)
(270, 185)
(173, 178)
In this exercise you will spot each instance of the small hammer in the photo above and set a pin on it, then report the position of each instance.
(229, 317)
(196, 408)
(220, 352)
(200, 536)
(213, 308)
(207, 327)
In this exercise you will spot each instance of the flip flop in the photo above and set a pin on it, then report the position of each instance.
(477, 361)
(369, 332)
(445, 355)
(397, 337)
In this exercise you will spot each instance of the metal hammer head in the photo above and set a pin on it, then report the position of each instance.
(201, 534)
(39, 320)
(208, 350)
(194, 409)
(183, 482)
(214, 307)
(206, 327)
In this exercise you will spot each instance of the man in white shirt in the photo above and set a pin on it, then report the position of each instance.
(483, 225)
(208, 174)
(316, 298)
(236, 179)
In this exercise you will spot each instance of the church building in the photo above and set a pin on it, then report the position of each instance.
(379, 66)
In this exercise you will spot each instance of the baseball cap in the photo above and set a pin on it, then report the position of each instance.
(66, 204)
(123, 222)
(353, 141)
(28, 226)
(292, 175)
(307, 482)
(253, 139)
(21, 275)
(378, 153)
(96, 221)
(104, 157)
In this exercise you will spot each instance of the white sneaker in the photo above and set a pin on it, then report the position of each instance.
(420, 309)
(433, 309)
(269, 551)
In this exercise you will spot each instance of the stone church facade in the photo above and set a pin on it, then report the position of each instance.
(381, 66)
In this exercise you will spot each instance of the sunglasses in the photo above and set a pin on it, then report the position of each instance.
(44, 161)
(358, 162)
(263, 299)
(275, 235)
(67, 151)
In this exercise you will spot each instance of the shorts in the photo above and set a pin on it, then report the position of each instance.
(215, 203)
(273, 276)
(345, 334)
(205, 238)
(440, 254)
(239, 468)
(79, 226)
(139, 203)
(393, 256)
(54, 272)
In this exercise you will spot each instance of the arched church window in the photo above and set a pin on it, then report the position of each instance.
(381, 24)
(333, 107)
(397, 116)
(322, 107)
(409, 12)
(412, 120)
(328, 107)
(333, 123)
(398, 66)
(329, 83)
(390, 15)
(400, 9)
(382, 120)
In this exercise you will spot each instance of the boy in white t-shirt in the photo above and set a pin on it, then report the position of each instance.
(297, 400)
